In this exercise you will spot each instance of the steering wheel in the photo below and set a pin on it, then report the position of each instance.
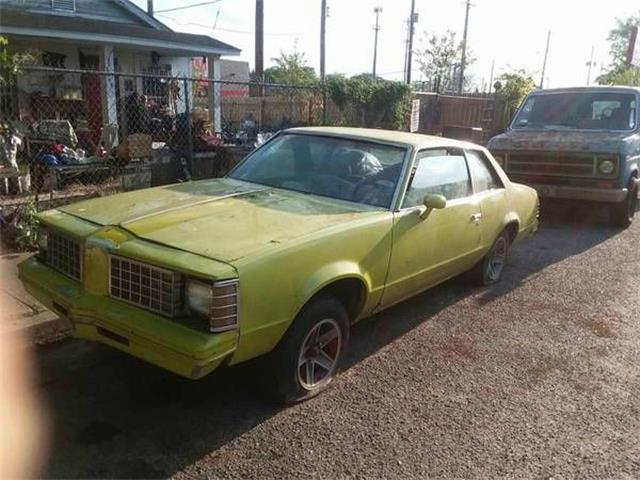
(370, 190)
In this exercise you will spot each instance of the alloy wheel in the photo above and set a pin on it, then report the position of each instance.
(498, 259)
(319, 354)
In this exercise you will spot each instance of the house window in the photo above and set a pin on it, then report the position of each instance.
(154, 86)
(64, 5)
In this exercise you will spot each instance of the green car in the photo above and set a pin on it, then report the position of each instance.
(313, 231)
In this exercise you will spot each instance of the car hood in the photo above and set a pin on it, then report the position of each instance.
(222, 219)
(564, 140)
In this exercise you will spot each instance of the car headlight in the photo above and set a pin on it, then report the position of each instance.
(606, 167)
(215, 301)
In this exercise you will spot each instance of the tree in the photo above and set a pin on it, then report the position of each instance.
(12, 63)
(440, 60)
(619, 72)
(291, 69)
(515, 87)
(625, 76)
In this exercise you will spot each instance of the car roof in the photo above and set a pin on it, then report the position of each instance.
(600, 88)
(415, 140)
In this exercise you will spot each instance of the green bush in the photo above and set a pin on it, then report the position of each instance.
(363, 102)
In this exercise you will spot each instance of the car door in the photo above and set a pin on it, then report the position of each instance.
(490, 193)
(427, 251)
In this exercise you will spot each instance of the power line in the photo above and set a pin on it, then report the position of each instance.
(247, 32)
(187, 6)
(215, 22)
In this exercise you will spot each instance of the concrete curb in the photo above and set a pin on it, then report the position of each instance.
(22, 314)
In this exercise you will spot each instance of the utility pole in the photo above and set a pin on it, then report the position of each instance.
(590, 64)
(323, 22)
(463, 59)
(377, 11)
(150, 7)
(493, 65)
(259, 61)
(544, 64)
(413, 18)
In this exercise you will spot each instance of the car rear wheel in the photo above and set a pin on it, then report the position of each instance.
(489, 270)
(309, 356)
(621, 214)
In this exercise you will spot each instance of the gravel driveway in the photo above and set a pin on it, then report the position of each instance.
(536, 377)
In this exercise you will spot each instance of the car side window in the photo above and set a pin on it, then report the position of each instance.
(440, 172)
(483, 175)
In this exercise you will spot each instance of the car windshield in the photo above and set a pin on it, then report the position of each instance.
(344, 169)
(581, 111)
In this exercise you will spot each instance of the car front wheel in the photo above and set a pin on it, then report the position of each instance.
(622, 214)
(310, 354)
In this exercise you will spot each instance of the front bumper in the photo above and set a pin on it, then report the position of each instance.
(150, 337)
(607, 195)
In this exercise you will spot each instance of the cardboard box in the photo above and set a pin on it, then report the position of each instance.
(136, 145)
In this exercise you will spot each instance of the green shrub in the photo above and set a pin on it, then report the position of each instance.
(363, 102)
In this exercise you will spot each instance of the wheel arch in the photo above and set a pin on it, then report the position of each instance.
(512, 225)
(343, 281)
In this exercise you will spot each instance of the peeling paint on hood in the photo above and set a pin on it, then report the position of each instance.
(222, 219)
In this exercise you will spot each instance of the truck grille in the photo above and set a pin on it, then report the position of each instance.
(63, 254)
(150, 287)
(545, 163)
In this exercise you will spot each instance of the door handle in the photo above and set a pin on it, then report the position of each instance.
(476, 217)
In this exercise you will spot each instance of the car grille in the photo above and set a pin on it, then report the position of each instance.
(544, 163)
(63, 254)
(150, 287)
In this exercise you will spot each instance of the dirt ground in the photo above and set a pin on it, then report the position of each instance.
(538, 376)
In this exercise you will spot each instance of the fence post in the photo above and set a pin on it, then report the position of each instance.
(324, 104)
(187, 114)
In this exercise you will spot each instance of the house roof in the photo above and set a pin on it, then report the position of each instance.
(30, 24)
(139, 13)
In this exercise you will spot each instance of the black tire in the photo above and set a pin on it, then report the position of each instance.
(621, 214)
(324, 314)
(487, 272)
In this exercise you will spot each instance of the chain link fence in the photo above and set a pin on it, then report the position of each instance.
(70, 133)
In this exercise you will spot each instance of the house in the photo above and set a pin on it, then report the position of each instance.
(108, 36)
(234, 71)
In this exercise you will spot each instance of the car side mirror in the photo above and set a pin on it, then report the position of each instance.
(432, 202)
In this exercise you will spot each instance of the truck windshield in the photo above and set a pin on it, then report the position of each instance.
(581, 111)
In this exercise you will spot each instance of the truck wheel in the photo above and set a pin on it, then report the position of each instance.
(621, 214)
(308, 357)
(489, 270)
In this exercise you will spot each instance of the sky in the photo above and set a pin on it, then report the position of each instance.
(512, 33)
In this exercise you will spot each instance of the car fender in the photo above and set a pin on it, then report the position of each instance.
(330, 273)
(512, 217)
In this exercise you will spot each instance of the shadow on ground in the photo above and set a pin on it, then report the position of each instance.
(115, 416)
